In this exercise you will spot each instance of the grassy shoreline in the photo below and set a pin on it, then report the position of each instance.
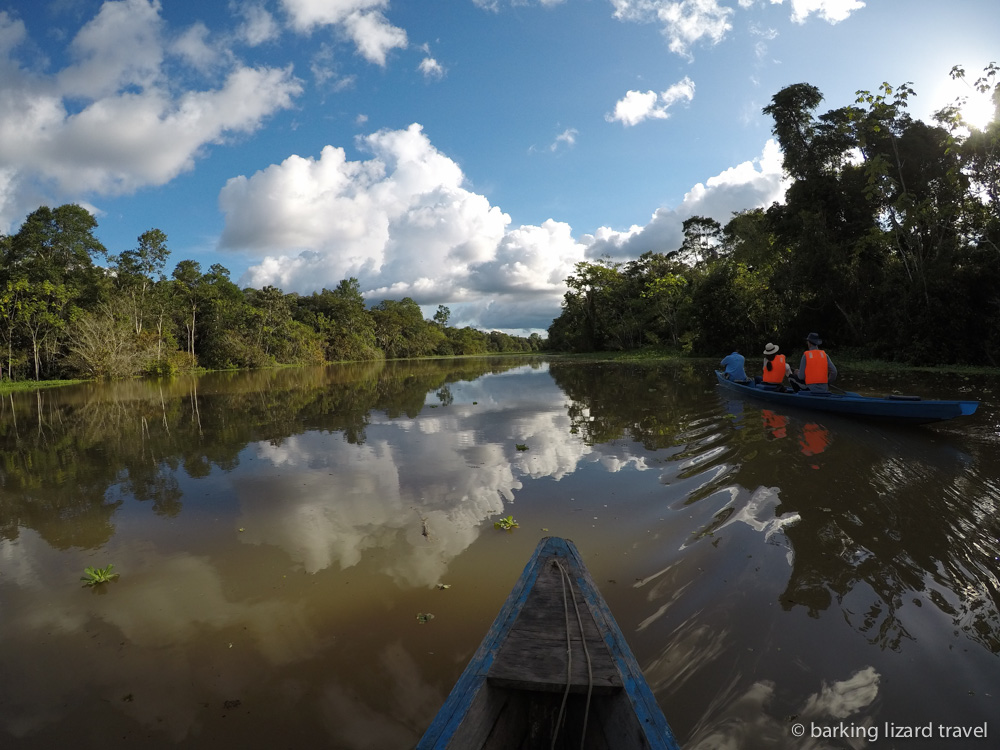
(16, 386)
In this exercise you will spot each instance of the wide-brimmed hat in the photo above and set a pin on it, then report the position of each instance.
(770, 349)
(813, 338)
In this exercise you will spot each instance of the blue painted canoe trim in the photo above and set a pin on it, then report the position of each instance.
(904, 410)
(643, 701)
(473, 679)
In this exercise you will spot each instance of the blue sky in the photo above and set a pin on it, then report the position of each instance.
(461, 152)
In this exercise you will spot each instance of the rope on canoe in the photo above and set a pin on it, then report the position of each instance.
(564, 578)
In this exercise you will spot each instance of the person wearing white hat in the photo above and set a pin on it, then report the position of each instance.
(776, 369)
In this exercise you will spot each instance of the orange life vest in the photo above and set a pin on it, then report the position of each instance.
(777, 372)
(816, 367)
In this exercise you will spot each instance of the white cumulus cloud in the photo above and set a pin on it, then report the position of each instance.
(258, 26)
(637, 106)
(404, 223)
(831, 11)
(431, 68)
(110, 121)
(751, 184)
(683, 23)
(361, 20)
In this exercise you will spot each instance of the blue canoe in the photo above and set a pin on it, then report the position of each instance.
(903, 409)
(521, 691)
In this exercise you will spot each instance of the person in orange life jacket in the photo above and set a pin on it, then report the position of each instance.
(732, 367)
(816, 369)
(775, 367)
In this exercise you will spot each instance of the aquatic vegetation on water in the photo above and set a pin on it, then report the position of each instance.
(93, 576)
(507, 523)
(424, 617)
(521, 446)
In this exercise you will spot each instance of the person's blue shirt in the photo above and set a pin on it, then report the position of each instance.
(732, 367)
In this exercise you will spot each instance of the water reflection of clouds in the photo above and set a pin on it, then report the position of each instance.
(154, 613)
(759, 515)
(757, 512)
(334, 501)
(422, 485)
(175, 621)
(747, 720)
(405, 697)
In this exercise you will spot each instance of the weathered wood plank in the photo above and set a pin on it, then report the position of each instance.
(526, 647)
(544, 611)
(534, 655)
(527, 663)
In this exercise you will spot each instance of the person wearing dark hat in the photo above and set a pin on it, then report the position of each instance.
(816, 369)
(733, 367)
(775, 366)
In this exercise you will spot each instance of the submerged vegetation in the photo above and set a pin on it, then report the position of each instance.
(888, 244)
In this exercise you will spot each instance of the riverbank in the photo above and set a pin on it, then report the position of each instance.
(646, 354)
(844, 362)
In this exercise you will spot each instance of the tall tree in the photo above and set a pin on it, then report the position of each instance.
(42, 315)
(189, 289)
(702, 236)
(137, 270)
(442, 316)
(56, 245)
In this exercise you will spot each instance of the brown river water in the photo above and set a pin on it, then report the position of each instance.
(785, 579)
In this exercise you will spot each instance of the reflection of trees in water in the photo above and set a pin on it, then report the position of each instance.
(901, 521)
(943, 550)
(645, 403)
(69, 457)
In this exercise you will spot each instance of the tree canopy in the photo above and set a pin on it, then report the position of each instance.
(887, 242)
(63, 314)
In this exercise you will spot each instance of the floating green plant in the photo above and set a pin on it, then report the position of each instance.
(506, 523)
(424, 617)
(93, 576)
(521, 446)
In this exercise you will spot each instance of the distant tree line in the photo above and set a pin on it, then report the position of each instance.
(888, 243)
(64, 315)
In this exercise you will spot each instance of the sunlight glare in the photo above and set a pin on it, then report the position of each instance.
(978, 110)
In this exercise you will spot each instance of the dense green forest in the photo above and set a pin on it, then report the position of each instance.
(62, 314)
(888, 244)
